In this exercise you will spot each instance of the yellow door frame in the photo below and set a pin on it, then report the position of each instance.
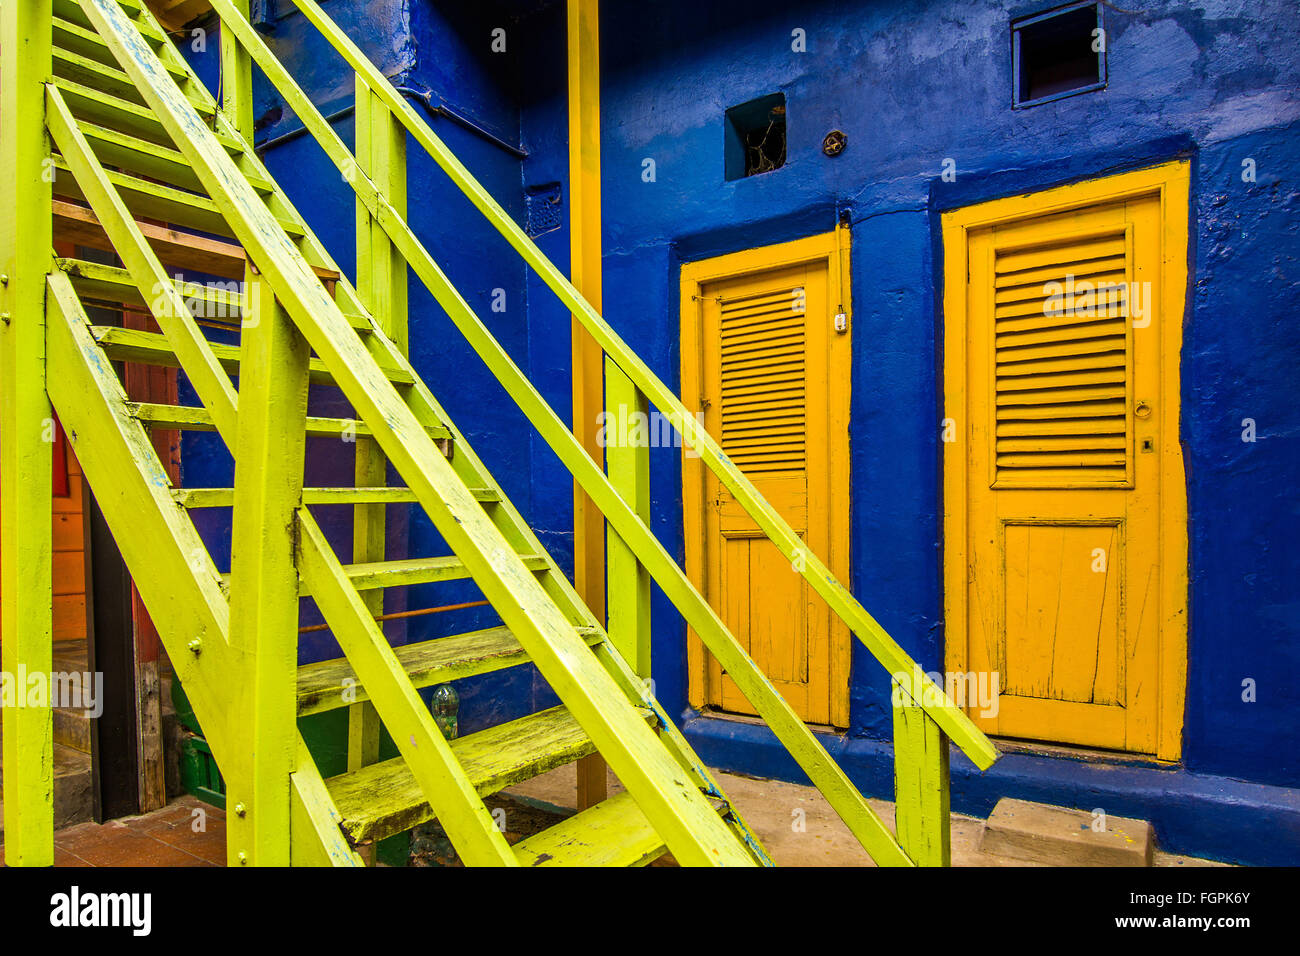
(833, 248)
(1171, 181)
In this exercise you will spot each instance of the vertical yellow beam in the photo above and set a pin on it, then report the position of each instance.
(588, 358)
(26, 434)
(381, 285)
(269, 456)
(920, 784)
(237, 80)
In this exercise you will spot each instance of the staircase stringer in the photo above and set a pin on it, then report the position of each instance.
(163, 551)
(680, 813)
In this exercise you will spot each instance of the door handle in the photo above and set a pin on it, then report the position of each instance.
(1142, 410)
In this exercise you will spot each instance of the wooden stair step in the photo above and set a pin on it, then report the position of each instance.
(223, 301)
(132, 154)
(383, 799)
(176, 249)
(372, 575)
(93, 280)
(225, 497)
(152, 348)
(71, 11)
(188, 418)
(72, 32)
(150, 200)
(612, 833)
(439, 661)
(114, 112)
(75, 66)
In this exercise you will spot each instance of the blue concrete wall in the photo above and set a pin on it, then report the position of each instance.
(912, 85)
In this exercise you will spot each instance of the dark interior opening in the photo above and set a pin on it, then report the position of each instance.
(1055, 54)
(756, 137)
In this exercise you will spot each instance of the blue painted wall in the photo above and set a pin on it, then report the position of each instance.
(911, 85)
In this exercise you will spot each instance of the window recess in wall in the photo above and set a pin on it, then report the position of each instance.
(1059, 53)
(755, 137)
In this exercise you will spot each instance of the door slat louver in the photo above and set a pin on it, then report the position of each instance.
(1061, 363)
(762, 340)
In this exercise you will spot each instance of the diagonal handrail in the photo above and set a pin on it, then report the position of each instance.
(919, 687)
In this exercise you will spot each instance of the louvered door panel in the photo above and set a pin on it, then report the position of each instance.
(1062, 368)
(763, 381)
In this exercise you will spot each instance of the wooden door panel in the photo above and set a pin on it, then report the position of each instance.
(1058, 369)
(759, 360)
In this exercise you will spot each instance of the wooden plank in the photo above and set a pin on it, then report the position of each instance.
(329, 685)
(223, 497)
(372, 575)
(269, 458)
(921, 806)
(93, 74)
(132, 154)
(183, 250)
(103, 109)
(612, 833)
(93, 280)
(150, 200)
(153, 348)
(384, 798)
(26, 431)
(189, 418)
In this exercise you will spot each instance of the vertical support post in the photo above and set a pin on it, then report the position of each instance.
(269, 456)
(237, 80)
(921, 817)
(26, 435)
(381, 285)
(583, 27)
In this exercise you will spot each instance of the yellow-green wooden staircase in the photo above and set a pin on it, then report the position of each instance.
(105, 124)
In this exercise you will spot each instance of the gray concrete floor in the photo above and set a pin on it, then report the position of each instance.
(773, 809)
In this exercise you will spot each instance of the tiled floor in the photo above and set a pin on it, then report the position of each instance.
(187, 832)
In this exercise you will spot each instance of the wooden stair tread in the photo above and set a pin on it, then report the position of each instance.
(104, 109)
(438, 661)
(152, 348)
(176, 248)
(190, 418)
(225, 497)
(612, 833)
(383, 799)
(157, 201)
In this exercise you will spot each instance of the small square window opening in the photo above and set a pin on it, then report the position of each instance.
(1058, 53)
(755, 137)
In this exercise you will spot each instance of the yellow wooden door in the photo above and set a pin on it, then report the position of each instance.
(767, 365)
(1064, 479)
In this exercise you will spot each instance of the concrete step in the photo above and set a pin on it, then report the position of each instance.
(1059, 836)
(73, 789)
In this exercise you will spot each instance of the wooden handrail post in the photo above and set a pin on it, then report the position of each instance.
(381, 286)
(921, 817)
(26, 433)
(269, 457)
